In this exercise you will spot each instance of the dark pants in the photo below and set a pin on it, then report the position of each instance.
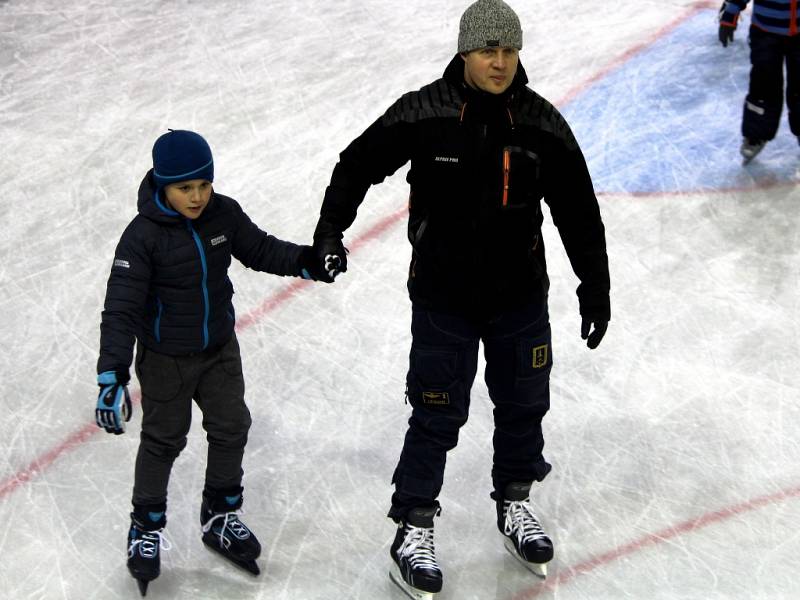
(443, 364)
(764, 101)
(169, 383)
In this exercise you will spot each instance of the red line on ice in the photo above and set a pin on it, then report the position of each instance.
(659, 537)
(633, 51)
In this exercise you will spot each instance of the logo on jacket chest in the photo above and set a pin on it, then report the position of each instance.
(445, 159)
(217, 240)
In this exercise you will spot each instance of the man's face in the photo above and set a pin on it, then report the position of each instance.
(189, 198)
(490, 69)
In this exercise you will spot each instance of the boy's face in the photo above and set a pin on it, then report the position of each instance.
(189, 198)
(490, 69)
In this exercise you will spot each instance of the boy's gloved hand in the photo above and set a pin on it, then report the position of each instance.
(727, 25)
(114, 403)
(594, 338)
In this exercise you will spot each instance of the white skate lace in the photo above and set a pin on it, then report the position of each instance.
(149, 543)
(522, 521)
(418, 548)
(230, 522)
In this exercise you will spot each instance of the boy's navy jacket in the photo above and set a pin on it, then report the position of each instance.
(169, 287)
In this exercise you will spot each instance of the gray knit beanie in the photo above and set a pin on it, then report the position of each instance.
(488, 23)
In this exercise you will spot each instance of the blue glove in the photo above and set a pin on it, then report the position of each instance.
(114, 402)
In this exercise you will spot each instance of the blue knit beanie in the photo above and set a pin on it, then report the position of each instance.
(180, 155)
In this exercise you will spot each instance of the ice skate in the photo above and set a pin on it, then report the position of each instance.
(414, 567)
(524, 537)
(226, 534)
(751, 148)
(145, 540)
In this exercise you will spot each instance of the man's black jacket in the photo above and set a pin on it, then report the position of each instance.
(480, 165)
(169, 285)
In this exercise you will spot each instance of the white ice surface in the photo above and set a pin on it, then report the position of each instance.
(687, 413)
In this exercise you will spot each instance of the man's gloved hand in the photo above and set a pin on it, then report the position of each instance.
(727, 25)
(311, 267)
(595, 337)
(114, 403)
(330, 260)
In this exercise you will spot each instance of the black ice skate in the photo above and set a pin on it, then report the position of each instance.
(414, 567)
(751, 148)
(145, 539)
(524, 537)
(225, 533)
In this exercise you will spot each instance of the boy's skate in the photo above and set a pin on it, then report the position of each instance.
(524, 537)
(751, 148)
(145, 539)
(225, 533)
(414, 567)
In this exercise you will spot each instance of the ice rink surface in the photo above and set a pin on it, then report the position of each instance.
(674, 445)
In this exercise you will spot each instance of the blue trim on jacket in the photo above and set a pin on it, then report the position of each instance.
(157, 322)
(164, 209)
(206, 302)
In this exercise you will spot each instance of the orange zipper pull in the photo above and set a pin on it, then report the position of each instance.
(506, 174)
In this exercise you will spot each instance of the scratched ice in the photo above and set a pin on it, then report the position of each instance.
(674, 445)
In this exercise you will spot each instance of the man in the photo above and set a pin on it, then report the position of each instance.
(484, 151)
(774, 40)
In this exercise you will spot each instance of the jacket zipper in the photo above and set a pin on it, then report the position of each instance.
(506, 174)
(204, 284)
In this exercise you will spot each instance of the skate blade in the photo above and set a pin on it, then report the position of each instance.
(746, 160)
(251, 566)
(411, 592)
(538, 569)
(142, 583)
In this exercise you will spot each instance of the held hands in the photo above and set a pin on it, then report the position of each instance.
(594, 338)
(727, 25)
(114, 402)
(323, 261)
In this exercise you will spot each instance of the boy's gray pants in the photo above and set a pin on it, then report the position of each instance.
(213, 378)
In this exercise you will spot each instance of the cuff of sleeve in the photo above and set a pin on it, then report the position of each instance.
(729, 19)
(113, 377)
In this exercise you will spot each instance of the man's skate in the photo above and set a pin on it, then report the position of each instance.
(750, 149)
(145, 539)
(414, 567)
(225, 533)
(524, 537)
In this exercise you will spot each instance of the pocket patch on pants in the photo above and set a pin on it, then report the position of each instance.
(539, 356)
(435, 398)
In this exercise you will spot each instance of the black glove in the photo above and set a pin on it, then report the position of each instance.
(727, 25)
(595, 337)
(310, 266)
(114, 403)
(331, 259)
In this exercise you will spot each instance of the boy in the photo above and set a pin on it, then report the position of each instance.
(169, 290)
